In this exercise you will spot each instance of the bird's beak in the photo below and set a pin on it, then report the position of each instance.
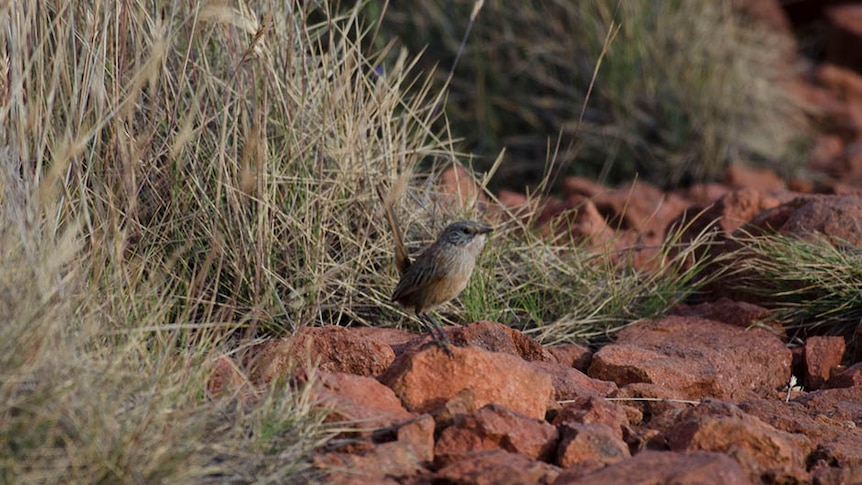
(485, 229)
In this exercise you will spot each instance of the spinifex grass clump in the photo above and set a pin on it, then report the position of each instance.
(812, 283)
(684, 88)
(172, 175)
(227, 155)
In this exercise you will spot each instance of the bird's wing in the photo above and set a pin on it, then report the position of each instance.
(428, 269)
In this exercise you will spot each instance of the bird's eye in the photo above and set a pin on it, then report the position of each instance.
(465, 230)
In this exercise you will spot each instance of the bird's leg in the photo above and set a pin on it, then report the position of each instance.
(437, 333)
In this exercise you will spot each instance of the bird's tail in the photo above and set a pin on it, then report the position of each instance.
(402, 259)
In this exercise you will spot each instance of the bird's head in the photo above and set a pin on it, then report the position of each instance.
(465, 234)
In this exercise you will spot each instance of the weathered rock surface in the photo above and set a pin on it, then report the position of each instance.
(426, 379)
(698, 357)
(494, 427)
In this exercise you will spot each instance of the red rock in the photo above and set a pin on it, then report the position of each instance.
(652, 400)
(462, 404)
(706, 194)
(595, 410)
(459, 190)
(696, 357)
(496, 467)
(822, 354)
(586, 223)
(641, 207)
(495, 427)
(802, 185)
(848, 168)
(360, 400)
(841, 405)
(496, 337)
(570, 383)
(590, 442)
(826, 214)
(851, 376)
(397, 339)
(380, 464)
(572, 355)
(844, 32)
(653, 467)
(829, 418)
(827, 148)
(512, 200)
(580, 469)
(427, 378)
(419, 432)
(759, 179)
(823, 474)
(227, 380)
(809, 93)
(757, 446)
(335, 349)
(729, 213)
(842, 117)
(582, 186)
(740, 314)
(514, 205)
(576, 217)
(843, 82)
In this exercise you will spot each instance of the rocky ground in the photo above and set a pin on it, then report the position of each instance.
(701, 396)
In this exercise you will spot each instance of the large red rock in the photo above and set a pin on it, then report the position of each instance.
(596, 410)
(459, 190)
(824, 214)
(495, 427)
(399, 340)
(332, 348)
(738, 313)
(590, 442)
(727, 214)
(585, 223)
(492, 467)
(226, 379)
(425, 379)
(757, 446)
(384, 463)
(831, 419)
(641, 207)
(572, 355)
(570, 383)
(822, 355)
(697, 357)
(361, 401)
(653, 467)
(576, 217)
(496, 337)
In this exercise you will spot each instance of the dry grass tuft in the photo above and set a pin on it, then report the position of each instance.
(812, 283)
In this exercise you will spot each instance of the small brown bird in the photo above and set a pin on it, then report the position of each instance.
(440, 273)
